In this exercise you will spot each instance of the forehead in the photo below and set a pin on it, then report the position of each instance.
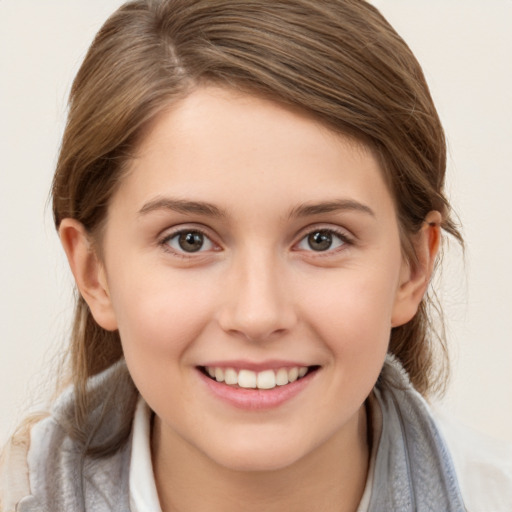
(240, 146)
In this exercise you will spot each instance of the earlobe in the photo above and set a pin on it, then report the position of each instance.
(415, 277)
(88, 271)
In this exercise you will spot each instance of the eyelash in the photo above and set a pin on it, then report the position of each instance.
(164, 242)
(341, 235)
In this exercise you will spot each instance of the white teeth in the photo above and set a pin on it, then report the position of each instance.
(293, 374)
(282, 377)
(230, 376)
(266, 379)
(247, 379)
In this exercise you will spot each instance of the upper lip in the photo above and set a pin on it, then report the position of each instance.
(240, 364)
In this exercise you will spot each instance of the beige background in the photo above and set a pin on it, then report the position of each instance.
(465, 48)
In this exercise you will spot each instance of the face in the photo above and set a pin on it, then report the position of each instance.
(252, 264)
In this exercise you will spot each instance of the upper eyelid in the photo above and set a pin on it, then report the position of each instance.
(170, 232)
(344, 235)
(337, 230)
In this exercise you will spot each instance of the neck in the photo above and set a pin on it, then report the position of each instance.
(331, 478)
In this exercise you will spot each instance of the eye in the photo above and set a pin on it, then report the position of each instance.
(189, 241)
(322, 240)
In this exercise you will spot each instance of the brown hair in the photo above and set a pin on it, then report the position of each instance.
(338, 60)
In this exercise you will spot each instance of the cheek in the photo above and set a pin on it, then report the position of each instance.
(159, 320)
(352, 314)
(160, 316)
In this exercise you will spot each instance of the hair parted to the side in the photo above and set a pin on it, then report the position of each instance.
(338, 60)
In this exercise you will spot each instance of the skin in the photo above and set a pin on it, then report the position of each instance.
(255, 291)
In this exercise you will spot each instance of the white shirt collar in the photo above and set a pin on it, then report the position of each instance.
(143, 493)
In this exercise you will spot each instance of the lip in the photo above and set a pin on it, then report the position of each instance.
(255, 399)
(241, 364)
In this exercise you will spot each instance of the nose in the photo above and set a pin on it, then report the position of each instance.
(257, 302)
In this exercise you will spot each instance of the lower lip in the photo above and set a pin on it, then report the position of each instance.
(257, 399)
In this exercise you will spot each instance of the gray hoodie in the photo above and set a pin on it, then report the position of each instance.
(413, 468)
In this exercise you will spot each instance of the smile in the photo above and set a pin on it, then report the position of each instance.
(266, 379)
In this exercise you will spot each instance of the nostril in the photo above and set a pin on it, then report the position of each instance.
(256, 306)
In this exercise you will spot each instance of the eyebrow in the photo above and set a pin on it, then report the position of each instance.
(182, 206)
(308, 209)
(204, 208)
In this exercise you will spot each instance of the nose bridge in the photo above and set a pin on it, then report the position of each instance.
(258, 302)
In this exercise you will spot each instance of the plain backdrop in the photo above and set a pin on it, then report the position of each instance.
(465, 48)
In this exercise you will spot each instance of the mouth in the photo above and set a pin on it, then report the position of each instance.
(263, 380)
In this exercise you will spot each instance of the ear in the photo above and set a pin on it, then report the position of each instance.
(414, 278)
(88, 271)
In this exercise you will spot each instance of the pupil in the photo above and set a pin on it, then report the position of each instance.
(320, 241)
(191, 241)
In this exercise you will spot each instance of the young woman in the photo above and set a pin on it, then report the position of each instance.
(250, 197)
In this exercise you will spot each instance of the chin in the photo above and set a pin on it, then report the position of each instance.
(257, 463)
(252, 456)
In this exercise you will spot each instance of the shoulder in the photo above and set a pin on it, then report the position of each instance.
(14, 463)
(474, 470)
(14, 478)
(25, 464)
(59, 464)
(483, 465)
